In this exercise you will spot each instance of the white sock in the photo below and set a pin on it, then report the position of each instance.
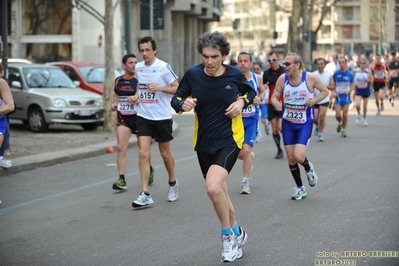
(245, 179)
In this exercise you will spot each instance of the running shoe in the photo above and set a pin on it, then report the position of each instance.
(365, 123)
(392, 104)
(390, 99)
(378, 112)
(151, 177)
(382, 107)
(300, 193)
(173, 193)
(339, 128)
(142, 200)
(241, 240)
(267, 128)
(316, 131)
(320, 136)
(343, 133)
(245, 189)
(120, 184)
(359, 119)
(230, 248)
(259, 139)
(279, 155)
(5, 163)
(312, 177)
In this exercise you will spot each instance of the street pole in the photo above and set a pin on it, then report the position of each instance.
(151, 18)
(4, 35)
(128, 45)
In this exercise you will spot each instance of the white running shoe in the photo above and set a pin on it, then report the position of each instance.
(320, 136)
(5, 163)
(300, 193)
(259, 139)
(312, 177)
(359, 119)
(173, 193)
(365, 123)
(241, 240)
(230, 248)
(142, 200)
(245, 189)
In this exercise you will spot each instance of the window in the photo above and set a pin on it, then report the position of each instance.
(347, 32)
(46, 17)
(374, 32)
(71, 73)
(325, 32)
(347, 13)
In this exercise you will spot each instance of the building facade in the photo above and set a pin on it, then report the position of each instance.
(44, 31)
(350, 26)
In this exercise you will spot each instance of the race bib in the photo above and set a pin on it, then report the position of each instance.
(249, 111)
(379, 74)
(341, 89)
(125, 107)
(146, 96)
(394, 73)
(295, 113)
(361, 84)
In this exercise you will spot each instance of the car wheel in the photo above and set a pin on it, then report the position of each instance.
(90, 126)
(36, 120)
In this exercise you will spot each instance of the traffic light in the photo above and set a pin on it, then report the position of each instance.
(236, 23)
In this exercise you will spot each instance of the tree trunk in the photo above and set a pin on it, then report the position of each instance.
(109, 116)
(307, 27)
(293, 33)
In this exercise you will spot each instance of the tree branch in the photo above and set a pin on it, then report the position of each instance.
(80, 4)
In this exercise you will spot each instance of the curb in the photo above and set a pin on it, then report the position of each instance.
(46, 159)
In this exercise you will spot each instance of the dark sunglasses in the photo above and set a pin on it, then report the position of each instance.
(272, 60)
(287, 63)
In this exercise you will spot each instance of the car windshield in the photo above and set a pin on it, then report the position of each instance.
(47, 78)
(95, 74)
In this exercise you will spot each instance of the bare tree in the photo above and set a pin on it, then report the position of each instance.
(107, 21)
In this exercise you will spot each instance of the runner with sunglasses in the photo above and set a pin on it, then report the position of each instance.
(270, 77)
(297, 88)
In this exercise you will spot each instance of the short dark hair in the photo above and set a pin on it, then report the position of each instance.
(214, 40)
(393, 53)
(147, 39)
(272, 53)
(320, 58)
(245, 53)
(126, 57)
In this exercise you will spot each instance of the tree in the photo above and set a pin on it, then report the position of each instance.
(306, 9)
(107, 21)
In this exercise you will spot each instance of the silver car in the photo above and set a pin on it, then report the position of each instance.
(45, 95)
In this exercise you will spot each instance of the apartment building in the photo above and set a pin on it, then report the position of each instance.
(350, 26)
(59, 30)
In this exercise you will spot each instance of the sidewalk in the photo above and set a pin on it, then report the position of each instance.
(30, 162)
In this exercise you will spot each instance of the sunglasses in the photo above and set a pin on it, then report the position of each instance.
(272, 60)
(287, 63)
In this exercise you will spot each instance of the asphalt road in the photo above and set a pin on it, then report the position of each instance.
(68, 214)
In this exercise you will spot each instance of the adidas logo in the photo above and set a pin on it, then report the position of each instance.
(228, 87)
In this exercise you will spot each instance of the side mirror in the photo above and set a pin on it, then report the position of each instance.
(16, 84)
(77, 83)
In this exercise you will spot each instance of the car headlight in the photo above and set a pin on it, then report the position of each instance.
(99, 102)
(59, 103)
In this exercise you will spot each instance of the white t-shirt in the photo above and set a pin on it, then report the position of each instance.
(325, 78)
(154, 105)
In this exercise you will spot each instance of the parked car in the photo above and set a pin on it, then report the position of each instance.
(45, 95)
(89, 75)
(17, 61)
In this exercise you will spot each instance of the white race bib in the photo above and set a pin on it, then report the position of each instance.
(146, 96)
(125, 107)
(295, 113)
